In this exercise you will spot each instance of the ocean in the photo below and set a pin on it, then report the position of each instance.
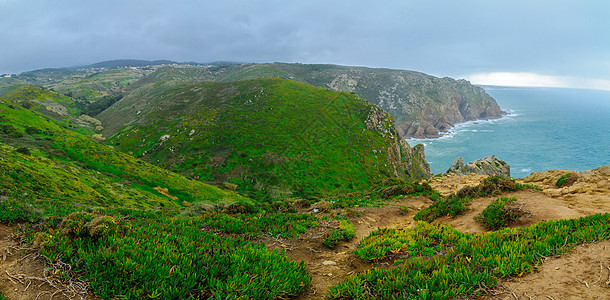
(547, 128)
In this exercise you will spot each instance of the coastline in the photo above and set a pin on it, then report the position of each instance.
(455, 128)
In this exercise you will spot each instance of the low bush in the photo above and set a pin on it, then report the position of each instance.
(500, 213)
(23, 150)
(404, 188)
(442, 207)
(251, 225)
(345, 232)
(32, 130)
(456, 203)
(564, 179)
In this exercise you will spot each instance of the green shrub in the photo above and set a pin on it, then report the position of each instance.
(345, 232)
(74, 224)
(442, 207)
(2, 297)
(562, 180)
(500, 213)
(103, 226)
(251, 225)
(404, 188)
(32, 130)
(7, 129)
(455, 204)
(23, 150)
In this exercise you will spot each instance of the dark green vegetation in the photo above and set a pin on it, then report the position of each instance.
(272, 138)
(563, 180)
(440, 262)
(500, 213)
(154, 256)
(455, 203)
(345, 232)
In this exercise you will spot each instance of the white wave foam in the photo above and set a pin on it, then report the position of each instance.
(464, 127)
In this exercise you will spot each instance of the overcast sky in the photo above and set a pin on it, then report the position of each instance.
(552, 43)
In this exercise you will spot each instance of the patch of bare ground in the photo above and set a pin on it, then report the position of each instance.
(23, 276)
(536, 206)
(584, 273)
(329, 267)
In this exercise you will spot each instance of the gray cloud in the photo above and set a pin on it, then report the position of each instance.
(454, 38)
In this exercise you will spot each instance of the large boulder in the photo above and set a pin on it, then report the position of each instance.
(489, 165)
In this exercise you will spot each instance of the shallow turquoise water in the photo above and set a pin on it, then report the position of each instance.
(548, 128)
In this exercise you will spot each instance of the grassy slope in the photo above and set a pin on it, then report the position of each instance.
(88, 170)
(38, 97)
(265, 135)
(63, 171)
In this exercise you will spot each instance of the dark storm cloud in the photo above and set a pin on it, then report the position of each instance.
(454, 38)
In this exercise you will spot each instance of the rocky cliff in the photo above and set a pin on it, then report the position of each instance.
(489, 165)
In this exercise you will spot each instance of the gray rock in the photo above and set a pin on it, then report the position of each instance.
(329, 263)
(489, 165)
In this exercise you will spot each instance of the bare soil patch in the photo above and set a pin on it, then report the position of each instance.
(584, 273)
(328, 267)
(23, 277)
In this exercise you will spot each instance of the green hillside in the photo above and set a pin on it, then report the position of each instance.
(89, 206)
(45, 160)
(269, 137)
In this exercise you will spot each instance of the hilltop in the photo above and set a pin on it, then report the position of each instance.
(422, 105)
(271, 137)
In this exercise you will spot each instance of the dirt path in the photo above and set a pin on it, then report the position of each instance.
(584, 273)
(22, 275)
(329, 267)
(559, 278)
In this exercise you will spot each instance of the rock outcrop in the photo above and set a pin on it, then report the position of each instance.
(489, 165)
(594, 182)
(406, 161)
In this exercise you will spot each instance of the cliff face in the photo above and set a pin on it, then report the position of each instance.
(406, 161)
(423, 106)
